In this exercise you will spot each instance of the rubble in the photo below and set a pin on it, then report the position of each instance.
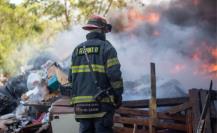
(36, 108)
(23, 98)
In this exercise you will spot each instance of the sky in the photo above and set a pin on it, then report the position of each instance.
(16, 1)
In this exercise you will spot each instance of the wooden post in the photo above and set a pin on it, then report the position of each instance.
(153, 102)
(194, 100)
(207, 125)
(189, 125)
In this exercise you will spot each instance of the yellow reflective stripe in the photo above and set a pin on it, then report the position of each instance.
(112, 62)
(88, 99)
(108, 99)
(83, 99)
(96, 115)
(85, 68)
(117, 84)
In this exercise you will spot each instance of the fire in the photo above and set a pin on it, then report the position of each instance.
(211, 69)
(135, 17)
(178, 68)
(214, 53)
(152, 18)
(206, 56)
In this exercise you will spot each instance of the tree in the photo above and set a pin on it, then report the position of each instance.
(28, 21)
(50, 10)
(100, 7)
(17, 25)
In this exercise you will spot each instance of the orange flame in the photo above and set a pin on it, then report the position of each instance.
(135, 16)
(214, 53)
(211, 69)
(207, 55)
(152, 18)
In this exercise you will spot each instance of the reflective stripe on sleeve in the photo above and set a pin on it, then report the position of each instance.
(85, 68)
(111, 62)
(117, 84)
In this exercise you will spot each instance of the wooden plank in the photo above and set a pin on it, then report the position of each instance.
(189, 121)
(135, 120)
(153, 101)
(128, 130)
(179, 108)
(65, 101)
(207, 126)
(62, 110)
(145, 122)
(160, 102)
(196, 111)
(145, 113)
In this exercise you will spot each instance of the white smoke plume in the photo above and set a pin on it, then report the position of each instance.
(169, 35)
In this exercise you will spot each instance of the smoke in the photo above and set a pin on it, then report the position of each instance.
(182, 41)
(179, 36)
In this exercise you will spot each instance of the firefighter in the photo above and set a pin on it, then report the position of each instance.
(94, 115)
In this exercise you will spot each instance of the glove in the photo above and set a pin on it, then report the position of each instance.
(118, 101)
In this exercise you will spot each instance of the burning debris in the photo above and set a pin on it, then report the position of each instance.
(179, 34)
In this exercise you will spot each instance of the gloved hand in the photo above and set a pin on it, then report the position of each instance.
(118, 101)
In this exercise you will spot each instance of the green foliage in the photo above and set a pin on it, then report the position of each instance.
(100, 7)
(33, 23)
(16, 26)
(50, 10)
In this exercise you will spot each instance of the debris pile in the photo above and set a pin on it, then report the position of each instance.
(182, 114)
(34, 102)
(26, 99)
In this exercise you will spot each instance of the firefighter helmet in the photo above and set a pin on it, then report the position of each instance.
(97, 22)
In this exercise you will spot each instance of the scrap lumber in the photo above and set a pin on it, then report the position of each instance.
(207, 125)
(136, 103)
(179, 108)
(145, 113)
(153, 101)
(205, 99)
(194, 100)
(145, 122)
(62, 110)
(161, 102)
(189, 121)
(64, 101)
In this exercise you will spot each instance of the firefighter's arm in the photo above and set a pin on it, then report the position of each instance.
(70, 68)
(70, 75)
(114, 74)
